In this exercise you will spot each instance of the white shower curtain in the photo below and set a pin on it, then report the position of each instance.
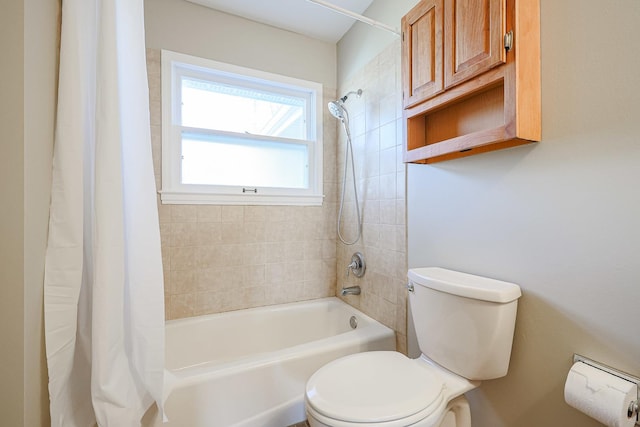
(104, 306)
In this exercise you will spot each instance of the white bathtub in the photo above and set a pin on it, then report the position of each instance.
(248, 368)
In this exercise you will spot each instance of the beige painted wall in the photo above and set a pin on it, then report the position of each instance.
(28, 40)
(11, 211)
(561, 217)
(363, 42)
(40, 73)
(188, 28)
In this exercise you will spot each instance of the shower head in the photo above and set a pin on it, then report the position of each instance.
(336, 109)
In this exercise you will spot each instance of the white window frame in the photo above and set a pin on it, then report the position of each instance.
(175, 192)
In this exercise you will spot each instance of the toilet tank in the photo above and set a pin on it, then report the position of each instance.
(463, 322)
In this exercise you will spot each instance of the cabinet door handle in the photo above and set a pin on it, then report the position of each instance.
(508, 41)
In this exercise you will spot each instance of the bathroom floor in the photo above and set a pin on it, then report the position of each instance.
(302, 424)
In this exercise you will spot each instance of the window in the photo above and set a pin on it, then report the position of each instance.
(232, 135)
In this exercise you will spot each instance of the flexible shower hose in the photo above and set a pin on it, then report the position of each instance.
(349, 153)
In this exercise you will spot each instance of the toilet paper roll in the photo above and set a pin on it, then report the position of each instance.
(600, 395)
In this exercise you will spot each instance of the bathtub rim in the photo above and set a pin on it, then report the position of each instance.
(273, 307)
(366, 331)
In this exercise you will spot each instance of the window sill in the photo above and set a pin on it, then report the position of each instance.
(194, 198)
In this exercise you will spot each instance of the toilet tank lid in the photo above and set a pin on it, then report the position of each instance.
(465, 285)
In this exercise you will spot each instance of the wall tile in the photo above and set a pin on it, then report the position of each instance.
(232, 214)
(232, 232)
(292, 250)
(209, 213)
(208, 302)
(387, 212)
(371, 211)
(372, 188)
(253, 254)
(275, 273)
(388, 135)
(358, 125)
(167, 308)
(183, 213)
(388, 160)
(182, 306)
(255, 213)
(155, 113)
(388, 106)
(383, 190)
(388, 186)
(401, 184)
(183, 258)
(275, 252)
(401, 212)
(182, 281)
(312, 249)
(253, 275)
(184, 234)
(164, 213)
(208, 233)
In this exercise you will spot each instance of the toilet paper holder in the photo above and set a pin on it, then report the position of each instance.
(634, 406)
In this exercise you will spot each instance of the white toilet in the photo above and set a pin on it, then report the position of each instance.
(464, 325)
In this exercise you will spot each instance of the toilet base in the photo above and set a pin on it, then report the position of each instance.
(456, 414)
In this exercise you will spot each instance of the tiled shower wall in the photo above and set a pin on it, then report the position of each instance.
(221, 258)
(376, 127)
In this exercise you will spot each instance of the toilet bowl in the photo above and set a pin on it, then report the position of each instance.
(464, 325)
(387, 389)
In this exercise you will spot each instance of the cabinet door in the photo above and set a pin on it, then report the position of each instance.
(422, 44)
(474, 31)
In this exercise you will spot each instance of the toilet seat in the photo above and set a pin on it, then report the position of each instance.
(384, 388)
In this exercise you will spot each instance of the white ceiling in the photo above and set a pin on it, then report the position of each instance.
(300, 16)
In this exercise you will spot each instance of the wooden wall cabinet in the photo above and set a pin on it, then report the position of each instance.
(471, 77)
(422, 44)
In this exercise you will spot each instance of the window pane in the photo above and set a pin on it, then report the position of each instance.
(213, 160)
(218, 106)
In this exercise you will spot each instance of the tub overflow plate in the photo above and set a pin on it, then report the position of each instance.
(353, 322)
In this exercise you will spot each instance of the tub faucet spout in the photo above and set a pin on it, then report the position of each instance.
(351, 290)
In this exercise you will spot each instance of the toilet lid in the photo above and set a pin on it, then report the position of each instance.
(374, 386)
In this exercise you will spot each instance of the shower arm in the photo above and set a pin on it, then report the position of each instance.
(356, 16)
(358, 94)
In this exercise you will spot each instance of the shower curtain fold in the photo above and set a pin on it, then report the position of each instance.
(104, 299)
